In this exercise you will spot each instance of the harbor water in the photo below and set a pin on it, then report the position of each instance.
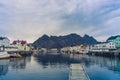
(56, 67)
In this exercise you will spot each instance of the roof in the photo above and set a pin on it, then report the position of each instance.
(2, 38)
(19, 41)
(113, 37)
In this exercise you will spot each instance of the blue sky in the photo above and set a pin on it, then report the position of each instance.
(30, 19)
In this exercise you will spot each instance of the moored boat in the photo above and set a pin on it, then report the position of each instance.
(4, 55)
(15, 55)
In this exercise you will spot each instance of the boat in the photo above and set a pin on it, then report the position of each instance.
(15, 55)
(4, 55)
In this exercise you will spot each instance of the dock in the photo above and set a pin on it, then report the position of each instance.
(23, 53)
(77, 72)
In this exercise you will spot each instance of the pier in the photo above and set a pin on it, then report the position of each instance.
(23, 53)
(77, 72)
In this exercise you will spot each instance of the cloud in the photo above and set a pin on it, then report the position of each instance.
(30, 19)
(95, 14)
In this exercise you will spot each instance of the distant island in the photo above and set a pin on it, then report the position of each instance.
(62, 41)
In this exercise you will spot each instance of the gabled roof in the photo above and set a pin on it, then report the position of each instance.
(113, 37)
(19, 41)
(2, 38)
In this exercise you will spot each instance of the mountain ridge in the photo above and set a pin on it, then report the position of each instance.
(72, 39)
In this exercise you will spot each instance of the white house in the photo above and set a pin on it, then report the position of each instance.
(76, 49)
(4, 41)
(21, 45)
(105, 46)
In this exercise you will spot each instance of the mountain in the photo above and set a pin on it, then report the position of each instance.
(62, 41)
(89, 39)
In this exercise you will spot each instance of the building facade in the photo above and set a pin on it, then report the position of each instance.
(21, 45)
(75, 49)
(105, 46)
(4, 41)
(116, 40)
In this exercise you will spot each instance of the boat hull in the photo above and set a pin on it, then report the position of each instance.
(4, 55)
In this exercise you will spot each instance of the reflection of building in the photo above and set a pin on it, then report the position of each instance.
(3, 67)
(16, 63)
(117, 67)
(19, 63)
(109, 63)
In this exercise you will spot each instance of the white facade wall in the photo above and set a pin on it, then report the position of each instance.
(103, 46)
(79, 48)
(23, 47)
(11, 49)
(4, 42)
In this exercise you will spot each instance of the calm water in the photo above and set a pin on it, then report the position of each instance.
(49, 67)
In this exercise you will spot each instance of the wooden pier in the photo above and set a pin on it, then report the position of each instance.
(77, 72)
(23, 53)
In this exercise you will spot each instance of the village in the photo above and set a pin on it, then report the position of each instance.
(110, 47)
(15, 49)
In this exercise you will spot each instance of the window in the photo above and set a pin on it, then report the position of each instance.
(112, 43)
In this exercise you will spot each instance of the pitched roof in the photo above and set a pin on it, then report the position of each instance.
(19, 41)
(1, 38)
(113, 37)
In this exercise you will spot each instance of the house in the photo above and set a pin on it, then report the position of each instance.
(115, 39)
(21, 45)
(75, 49)
(104, 46)
(4, 41)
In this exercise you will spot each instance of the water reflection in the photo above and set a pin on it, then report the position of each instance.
(100, 68)
(3, 67)
(110, 63)
(14, 63)
(88, 61)
(19, 63)
(44, 67)
(53, 60)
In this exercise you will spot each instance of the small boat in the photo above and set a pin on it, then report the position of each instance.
(79, 52)
(4, 55)
(15, 56)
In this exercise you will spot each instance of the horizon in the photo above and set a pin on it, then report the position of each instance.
(30, 19)
(79, 35)
(62, 35)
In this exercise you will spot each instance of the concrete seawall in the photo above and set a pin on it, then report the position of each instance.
(24, 53)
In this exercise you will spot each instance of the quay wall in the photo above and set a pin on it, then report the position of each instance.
(23, 53)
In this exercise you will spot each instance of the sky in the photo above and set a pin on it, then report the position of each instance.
(30, 19)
